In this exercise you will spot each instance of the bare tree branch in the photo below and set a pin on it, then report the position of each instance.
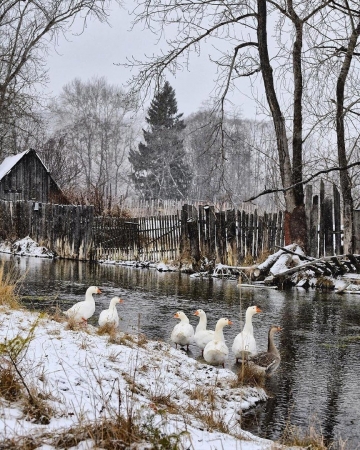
(332, 169)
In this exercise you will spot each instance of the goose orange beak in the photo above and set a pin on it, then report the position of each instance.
(229, 322)
(98, 291)
(121, 300)
(176, 316)
(196, 313)
(258, 309)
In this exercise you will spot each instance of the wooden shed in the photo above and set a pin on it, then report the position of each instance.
(25, 177)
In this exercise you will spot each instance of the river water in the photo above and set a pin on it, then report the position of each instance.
(318, 379)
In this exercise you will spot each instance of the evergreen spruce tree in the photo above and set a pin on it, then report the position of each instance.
(159, 167)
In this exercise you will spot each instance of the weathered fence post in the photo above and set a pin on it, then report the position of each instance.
(189, 242)
(357, 231)
(337, 221)
(313, 228)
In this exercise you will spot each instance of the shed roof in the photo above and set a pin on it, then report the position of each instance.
(10, 161)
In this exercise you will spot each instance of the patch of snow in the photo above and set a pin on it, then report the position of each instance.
(84, 378)
(26, 247)
(9, 162)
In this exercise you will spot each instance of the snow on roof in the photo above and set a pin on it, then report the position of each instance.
(10, 161)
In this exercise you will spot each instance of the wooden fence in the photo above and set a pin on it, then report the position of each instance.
(199, 232)
(229, 236)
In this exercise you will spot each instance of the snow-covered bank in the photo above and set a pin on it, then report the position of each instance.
(84, 377)
(25, 247)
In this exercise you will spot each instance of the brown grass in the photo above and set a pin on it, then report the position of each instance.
(248, 375)
(10, 388)
(36, 409)
(203, 394)
(58, 315)
(16, 443)
(73, 325)
(312, 439)
(209, 417)
(115, 434)
(8, 288)
(108, 329)
(129, 339)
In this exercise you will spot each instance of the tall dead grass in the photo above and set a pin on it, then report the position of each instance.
(8, 288)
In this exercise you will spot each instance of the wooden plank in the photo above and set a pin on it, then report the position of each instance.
(321, 220)
(313, 231)
(337, 220)
(231, 236)
(328, 226)
(308, 209)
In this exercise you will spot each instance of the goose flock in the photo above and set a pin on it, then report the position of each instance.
(213, 346)
(211, 342)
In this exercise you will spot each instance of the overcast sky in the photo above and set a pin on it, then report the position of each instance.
(100, 47)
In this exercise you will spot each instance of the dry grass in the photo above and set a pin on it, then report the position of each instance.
(10, 388)
(203, 394)
(23, 443)
(212, 419)
(36, 409)
(248, 375)
(8, 288)
(129, 340)
(114, 434)
(73, 325)
(312, 439)
(58, 315)
(108, 329)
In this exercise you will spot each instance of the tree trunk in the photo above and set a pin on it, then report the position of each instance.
(345, 180)
(295, 220)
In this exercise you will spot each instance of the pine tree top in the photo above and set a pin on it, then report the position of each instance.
(163, 109)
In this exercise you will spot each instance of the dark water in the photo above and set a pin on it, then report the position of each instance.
(319, 376)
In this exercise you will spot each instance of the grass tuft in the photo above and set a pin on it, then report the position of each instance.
(10, 388)
(311, 438)
(248, 375)
(8, 288)
(108, 329)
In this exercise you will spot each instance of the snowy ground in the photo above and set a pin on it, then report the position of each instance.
(84, 377)
(25, 247)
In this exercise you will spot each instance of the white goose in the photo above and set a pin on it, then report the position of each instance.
(268, 362)
(202, 335)
(216, 351)
(82, 311)
(244, 343)
(183, 332)
(110, 315)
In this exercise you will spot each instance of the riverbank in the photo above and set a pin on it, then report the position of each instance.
(73, 381)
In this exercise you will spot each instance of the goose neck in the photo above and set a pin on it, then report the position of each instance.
(89, 297)
(248, 327)
(271, 344)
(202, 323)
(219, 335)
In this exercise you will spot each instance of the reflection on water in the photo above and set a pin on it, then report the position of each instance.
(317, 381)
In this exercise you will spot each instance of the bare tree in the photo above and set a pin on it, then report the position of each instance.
(96, 119)
(244, 28)
(27, 29)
